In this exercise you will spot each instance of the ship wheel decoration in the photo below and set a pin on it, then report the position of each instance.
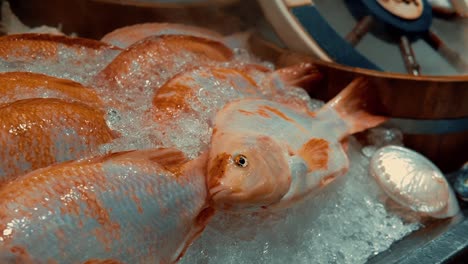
(413, 51)
(337, 28)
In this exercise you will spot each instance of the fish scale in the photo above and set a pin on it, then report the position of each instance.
(283, 123)
(266, 154)
(35, 133)
(123, 207)
(291, 129)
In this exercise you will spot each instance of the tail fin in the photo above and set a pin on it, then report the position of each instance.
(300, 75)
(352, 104)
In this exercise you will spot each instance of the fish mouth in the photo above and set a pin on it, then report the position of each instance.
(219, 197)
(219, 191)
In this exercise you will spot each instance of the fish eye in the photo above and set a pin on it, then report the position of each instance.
(241, 161)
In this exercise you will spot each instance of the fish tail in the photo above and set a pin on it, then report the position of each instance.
(354, 105)
(300, 75)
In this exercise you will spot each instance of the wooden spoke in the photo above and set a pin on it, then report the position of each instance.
(361, 29)
(452, 56)
(412, 66)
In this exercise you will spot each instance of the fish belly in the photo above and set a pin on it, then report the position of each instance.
(131, 211)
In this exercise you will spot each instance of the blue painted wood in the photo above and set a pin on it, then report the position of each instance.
(329, 40)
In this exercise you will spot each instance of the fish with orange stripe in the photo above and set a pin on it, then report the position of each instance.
(152, 61)
(194, 96)
(35, 133)
(269, 155)
(195, 89)
(125, 36)
(26, 85)
(61, 56)
(131, 207)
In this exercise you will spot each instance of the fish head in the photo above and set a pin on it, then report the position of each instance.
(247, 172)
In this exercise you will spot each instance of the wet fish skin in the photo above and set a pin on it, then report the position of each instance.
(36, 47)
(132, 207)
(35, 133)
(164, 56)
(26, 85)
(126, 36)
(266, 154)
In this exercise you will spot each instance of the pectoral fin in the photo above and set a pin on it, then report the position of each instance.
(315, 153)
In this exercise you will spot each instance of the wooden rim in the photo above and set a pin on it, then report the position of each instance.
(140, 3)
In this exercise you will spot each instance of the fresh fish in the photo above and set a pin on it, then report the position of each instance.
(65, 57)
(195, 96)
(35, 133)
(194, 90)
(126, 36)
(150, 62)
(25, 85)
(413, 181)
(34, 47)
(132, 207)
(265, 154)
(208, 89)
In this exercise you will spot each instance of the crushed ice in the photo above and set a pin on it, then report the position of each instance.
(345, 224)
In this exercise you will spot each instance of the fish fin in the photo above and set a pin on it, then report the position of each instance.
(352, 104)
(300, 75)
(345, 144)
(166, 157)
(315, 153)
(170, 159)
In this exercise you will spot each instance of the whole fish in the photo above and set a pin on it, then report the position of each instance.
(195, 96)
(202, 89)
(125, 36)
(78, 59)
(208, 89)
(35, 133)
(192, 98)
(131, 207)
(268, 155)
(34, 47)
(26, 85)
(150, 62)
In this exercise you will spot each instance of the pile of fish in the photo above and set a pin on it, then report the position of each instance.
(102, 159)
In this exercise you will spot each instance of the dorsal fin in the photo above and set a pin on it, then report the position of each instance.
(315, 153)
(166, 157)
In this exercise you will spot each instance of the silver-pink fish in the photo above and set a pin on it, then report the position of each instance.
(133, 207)
(266, 154)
